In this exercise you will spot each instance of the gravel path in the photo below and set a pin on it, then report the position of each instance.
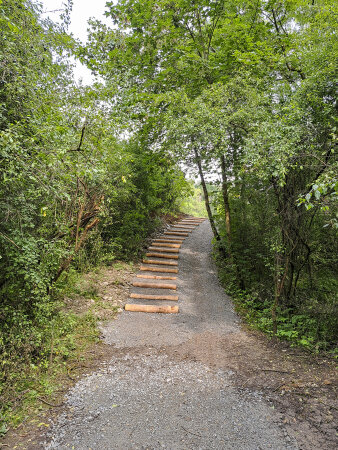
(147, 398)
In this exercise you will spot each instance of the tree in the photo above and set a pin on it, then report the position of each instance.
(73, 192)
(270, 138)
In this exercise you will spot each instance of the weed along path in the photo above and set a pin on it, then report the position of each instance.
(190, 379)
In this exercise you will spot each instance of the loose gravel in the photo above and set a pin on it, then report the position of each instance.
(144, 398)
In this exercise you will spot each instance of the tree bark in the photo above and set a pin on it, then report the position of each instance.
(226, 202)
(206, 197)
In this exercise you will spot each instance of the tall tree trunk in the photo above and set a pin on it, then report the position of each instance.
(280, 277)
(227, 212)
(226, 202)
(206, 197)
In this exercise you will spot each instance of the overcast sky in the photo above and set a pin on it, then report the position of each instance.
(82, 11)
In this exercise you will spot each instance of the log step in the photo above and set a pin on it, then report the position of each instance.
(187, 228)
(190, 223)
(143, 284)
(162, 255)
(158, 269)
(173, 298)
(184, 226)
(165, 263)
(170, 239)
(176, 233)
(163, 249)
(166, 244)
(180, 230)
(156, 277)
(152, 309)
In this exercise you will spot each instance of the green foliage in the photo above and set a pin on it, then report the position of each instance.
(241, 92)
(308, 327)
(44, 354)
(244, 93)
(193, 205)
(73, 192)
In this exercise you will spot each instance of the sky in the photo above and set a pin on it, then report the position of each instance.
(82, 11)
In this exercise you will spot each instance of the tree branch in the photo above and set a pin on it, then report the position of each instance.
(78, 148)
(288, 65)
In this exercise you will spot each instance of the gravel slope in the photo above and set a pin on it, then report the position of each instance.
(145, 398)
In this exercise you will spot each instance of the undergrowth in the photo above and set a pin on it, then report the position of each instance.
(28, 378)
(38, 349)
(37, 354)
(298, 326)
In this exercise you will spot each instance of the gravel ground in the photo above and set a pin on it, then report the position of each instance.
(145, 398)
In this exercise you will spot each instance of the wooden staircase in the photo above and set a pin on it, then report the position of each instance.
(165, 250)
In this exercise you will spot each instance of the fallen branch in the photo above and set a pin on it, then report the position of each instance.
(79, 367)
(49, 404)
(278, 387)
(9, 240)
(69, 376)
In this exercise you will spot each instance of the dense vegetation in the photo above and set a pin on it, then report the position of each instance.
(73, 193)
(241, 93)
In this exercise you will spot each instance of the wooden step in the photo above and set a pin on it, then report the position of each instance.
(165, 263)
(148, 285)
(173, 298)
(176, 233)
(158, 269)
(152, 309)
(156, 277)
(183, 224)
(166, 244)
(162, 255)
(170, 239)
(163, 249)
(180, 230)
(185, 227)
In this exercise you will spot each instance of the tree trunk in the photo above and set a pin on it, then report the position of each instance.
(279, 286)
(226, 202)
(206, 197)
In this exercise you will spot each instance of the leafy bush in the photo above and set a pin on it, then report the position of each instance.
(72, 192)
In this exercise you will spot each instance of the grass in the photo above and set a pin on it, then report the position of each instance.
(44, 379)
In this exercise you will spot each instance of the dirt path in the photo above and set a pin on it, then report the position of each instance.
(194, 380)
